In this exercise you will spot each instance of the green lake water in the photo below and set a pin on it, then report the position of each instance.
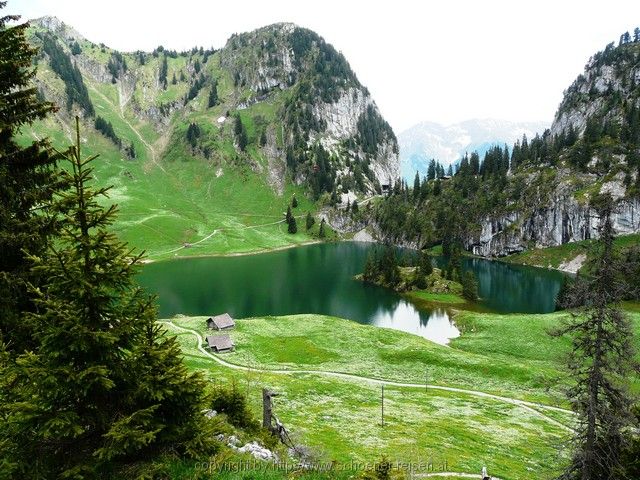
(319, 279)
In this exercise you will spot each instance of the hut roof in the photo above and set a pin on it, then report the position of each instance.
(222, 321)
(220, 342)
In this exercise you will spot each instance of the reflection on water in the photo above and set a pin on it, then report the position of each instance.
(434, 325)
(319, 279)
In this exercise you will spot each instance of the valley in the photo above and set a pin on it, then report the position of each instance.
(245, 176)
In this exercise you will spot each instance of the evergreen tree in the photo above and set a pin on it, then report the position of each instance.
(469, 286)
(370, 271)
(75, 48)
(310, 221)
(431, 170)
(294, 202)
(213, 95)
(416, 186)
(425, 266)
(292, 226)
(263, 138)
(322, 233)
(241, 133)
(601, 362)
(162, 74)
(354, 206)
(28, 180)
(105, 386)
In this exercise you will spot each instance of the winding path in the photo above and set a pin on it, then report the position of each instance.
(529, 406)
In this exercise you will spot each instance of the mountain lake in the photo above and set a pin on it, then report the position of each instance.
(319, 279)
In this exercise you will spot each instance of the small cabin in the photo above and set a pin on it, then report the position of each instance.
(220, 322)
(220, 343)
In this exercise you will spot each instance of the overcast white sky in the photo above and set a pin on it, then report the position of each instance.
(443, 61)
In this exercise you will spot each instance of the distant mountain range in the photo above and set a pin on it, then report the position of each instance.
(448, 143)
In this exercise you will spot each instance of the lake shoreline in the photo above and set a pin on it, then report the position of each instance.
(147, 261)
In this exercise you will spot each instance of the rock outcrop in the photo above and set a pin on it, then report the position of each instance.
(602, 100)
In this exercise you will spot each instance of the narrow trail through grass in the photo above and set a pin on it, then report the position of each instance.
(532, 407)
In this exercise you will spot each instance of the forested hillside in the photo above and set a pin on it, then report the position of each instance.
(537, 193)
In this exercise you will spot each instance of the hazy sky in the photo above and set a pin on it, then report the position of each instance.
(442, 61)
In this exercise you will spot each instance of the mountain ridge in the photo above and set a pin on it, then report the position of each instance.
(218, 136)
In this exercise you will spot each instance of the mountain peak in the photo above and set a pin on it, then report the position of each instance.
(56, 26)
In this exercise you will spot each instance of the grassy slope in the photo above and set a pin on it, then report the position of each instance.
(507, 354)
(553, 257)
(339, 419)
(327, 343)
(167, 196)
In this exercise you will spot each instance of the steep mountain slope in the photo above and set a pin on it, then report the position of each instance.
(599, 120)
(537, 193)
(205, 148)
(448, 143)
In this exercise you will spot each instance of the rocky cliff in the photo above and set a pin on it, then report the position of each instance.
(293, 93)
(601, 109)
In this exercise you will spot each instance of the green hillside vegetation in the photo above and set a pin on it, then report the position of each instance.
(495, 354)
(532, 174)
(185, 182)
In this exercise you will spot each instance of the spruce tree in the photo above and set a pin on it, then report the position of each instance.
(322, 233)
(28, 179)
(310, 221)
(105, 388)
(600, 364)
(213, 95)
(469, 286)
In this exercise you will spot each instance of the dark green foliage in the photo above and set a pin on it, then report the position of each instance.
(241, 133)
(193, 134)
(321, 232)
(130, 151)
(213, 95)
(75, 48)
(322, 174)
(61, 64)
(601, 363)
(162, 73)
(354, 207)
(469, 286)
(105, 386)
(263, 138)
(310, 221)
(294, 202)
(195, 88)
(425, 265)
(228, 399)
(373, 130)
(28, 180)
(106, 129)
(382, 266)
(117, 65)
(292, 226)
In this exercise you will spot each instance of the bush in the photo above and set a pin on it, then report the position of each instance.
(233, 403)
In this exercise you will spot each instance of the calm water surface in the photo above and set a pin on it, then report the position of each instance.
(319, 279)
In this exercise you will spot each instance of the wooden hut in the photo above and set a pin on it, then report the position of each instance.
(220, 322)
(220, 343)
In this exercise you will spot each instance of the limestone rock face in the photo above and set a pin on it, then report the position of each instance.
(562, 220)
(604, 93)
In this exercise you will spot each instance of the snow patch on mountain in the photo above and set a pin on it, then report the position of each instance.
(448, 143)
